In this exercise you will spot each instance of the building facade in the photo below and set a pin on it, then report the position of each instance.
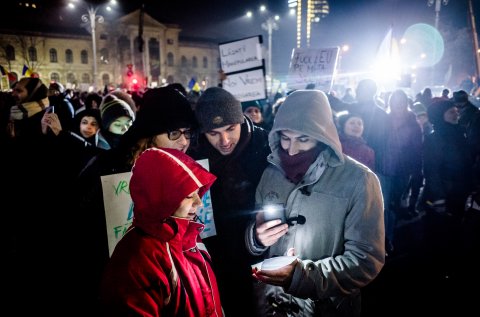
(126, 58)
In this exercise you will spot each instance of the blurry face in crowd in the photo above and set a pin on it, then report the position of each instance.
(224, 139)
(53, 92)
(88, 126)
(20, 93)
(120, 125)
(422, 119)
(294, 142)
(398, 102)
(254, 113)
(181, 144)
(354, 127)
(188, 207)
(451, 115)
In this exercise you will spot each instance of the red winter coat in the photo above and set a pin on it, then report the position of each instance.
(162, 275)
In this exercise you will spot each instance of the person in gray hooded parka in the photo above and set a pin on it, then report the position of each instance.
(334, 211)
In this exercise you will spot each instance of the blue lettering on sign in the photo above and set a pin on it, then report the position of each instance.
(130, 211)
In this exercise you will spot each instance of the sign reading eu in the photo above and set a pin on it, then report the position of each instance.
(312, 66)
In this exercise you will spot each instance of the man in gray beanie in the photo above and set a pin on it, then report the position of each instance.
(237, 151)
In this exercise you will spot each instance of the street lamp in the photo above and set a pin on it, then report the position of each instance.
(92, 17)
(438, 5)
(269, 25)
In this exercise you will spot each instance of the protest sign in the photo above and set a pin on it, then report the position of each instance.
(246, 86)
(241, 54)
(118, 206)
(244, 68)
(312, 66)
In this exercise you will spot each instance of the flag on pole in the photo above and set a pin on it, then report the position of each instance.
(27, 72)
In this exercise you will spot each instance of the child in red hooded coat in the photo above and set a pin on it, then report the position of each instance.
(159, 267)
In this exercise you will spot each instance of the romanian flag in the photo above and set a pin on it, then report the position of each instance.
(27, 72)
(193, 85)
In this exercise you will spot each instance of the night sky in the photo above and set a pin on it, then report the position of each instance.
(360, 24)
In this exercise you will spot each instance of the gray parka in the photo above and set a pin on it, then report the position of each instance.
(341, 244)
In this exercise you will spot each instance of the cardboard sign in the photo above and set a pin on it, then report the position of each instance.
(247, 86)
(312, 66)
(241, 54)
(119, 207)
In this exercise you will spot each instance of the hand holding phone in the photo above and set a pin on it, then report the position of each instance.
(274, 211)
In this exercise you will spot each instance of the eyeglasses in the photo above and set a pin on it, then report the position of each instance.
(176, 134)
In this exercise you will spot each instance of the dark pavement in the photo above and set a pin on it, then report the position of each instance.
(413, 284)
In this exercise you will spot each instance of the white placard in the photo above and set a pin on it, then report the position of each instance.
(312, 66)
(205, 214)
(119, 207)
(241, 54)
(246, 86)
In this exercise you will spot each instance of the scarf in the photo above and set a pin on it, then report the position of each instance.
(295, 166)
(24, 111)
(28, 109)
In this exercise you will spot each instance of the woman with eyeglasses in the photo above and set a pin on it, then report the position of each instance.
(165, 120)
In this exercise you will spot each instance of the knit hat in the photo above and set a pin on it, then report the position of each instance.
(161, 179)
(437, 109)
(95, 113)
(163, 109)
(36, 90)
(113, 108)
(217, 108)
(418, 109)
(253, 103)
(125, 97)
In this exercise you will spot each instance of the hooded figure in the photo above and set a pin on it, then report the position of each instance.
(334, 212)
(160, 267)
(117, 117)
(447, 159)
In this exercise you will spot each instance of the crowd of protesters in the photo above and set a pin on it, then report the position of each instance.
(395, 157)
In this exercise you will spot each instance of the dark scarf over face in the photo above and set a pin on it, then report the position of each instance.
(295, 166)
(112, 138)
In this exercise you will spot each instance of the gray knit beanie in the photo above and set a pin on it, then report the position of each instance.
(113, 108)
(217, 108)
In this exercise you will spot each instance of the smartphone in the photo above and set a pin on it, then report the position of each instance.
(274, 211)
(51, 109)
